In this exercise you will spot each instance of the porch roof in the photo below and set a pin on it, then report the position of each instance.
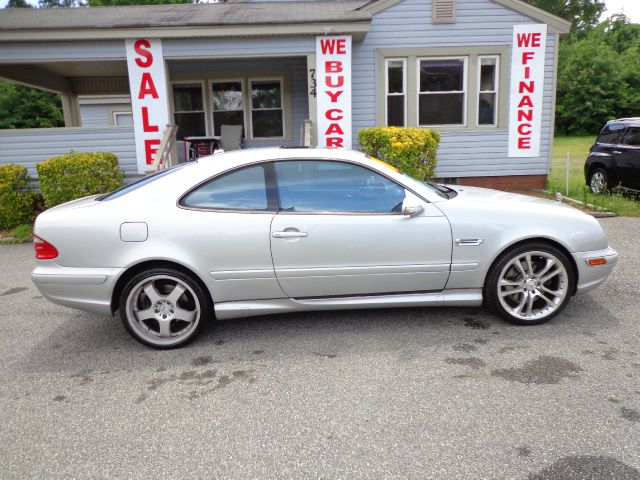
(114, 20)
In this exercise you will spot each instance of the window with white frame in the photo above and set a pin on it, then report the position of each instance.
(267, 114)
(227, 104)
(442, 84)
(188, 108)
(488, 90)
(123, 119)
(396, 92)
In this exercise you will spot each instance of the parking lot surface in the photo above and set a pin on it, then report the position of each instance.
(409, 393)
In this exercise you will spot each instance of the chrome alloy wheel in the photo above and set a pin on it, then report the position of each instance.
(533, 285)
(598, 182)
(163, 310)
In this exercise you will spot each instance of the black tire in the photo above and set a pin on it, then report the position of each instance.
(540, 254)
(175, 315)
(599, 181)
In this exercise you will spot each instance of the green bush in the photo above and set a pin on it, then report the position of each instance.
(76, 175)
(17, 202)
(411, 150)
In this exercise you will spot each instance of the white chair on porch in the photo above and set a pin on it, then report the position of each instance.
(231, 137)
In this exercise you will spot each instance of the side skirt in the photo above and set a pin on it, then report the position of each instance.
(448, 298)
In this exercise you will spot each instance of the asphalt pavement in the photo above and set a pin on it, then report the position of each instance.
(376, 394)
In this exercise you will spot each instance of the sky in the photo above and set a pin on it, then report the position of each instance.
(631, 8)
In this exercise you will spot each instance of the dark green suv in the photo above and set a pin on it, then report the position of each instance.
(614, 160)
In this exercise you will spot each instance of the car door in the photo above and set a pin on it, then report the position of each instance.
(341, 230)
(226, 224)
(628, 158)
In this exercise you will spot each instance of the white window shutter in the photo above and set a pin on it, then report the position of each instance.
(444, 11)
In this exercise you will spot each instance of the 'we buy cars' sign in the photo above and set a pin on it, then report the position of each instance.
(148, 86)
(333, 70)
(527, 80)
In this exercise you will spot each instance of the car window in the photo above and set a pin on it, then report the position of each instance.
(142, 182)
(243, 189)
(632, 137)
(611, 133)
(326, 186)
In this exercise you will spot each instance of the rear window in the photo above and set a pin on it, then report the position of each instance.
(611, 133)
(141, 183)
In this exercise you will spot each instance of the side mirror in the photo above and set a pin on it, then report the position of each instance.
(412, 210)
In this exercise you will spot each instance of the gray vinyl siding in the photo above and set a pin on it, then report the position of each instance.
(52, 51)
(94, 115)
(237, 46)
(478, 22)
(31, 146)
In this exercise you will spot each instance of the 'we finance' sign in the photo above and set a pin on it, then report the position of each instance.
(527, 80)
(333, 70)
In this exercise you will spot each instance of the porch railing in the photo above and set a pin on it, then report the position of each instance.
(163, 159)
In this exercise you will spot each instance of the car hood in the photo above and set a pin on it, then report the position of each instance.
(497, 197)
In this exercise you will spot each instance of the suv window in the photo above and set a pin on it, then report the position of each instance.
(326, 186)
(632, 137)
(243, 189)
(611, 133)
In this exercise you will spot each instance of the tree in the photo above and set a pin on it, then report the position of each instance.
(18, 4)
(583, 14)
(24, 107)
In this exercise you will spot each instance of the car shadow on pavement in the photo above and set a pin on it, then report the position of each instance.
(90, 342)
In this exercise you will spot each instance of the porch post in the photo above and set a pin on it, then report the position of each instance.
(70, 109)
(312, 89)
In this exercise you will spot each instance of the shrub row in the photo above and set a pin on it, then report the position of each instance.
(62, 179)
(411, 150)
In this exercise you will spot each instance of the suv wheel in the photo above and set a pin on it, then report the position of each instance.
(599, 181)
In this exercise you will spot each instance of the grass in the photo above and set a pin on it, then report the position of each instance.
(578, 148)
(20, 234)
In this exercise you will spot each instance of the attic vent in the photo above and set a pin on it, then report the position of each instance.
(444, 11)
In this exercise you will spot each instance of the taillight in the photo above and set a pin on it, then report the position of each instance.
(44, 250)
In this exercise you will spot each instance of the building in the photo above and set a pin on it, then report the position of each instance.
(480, 72)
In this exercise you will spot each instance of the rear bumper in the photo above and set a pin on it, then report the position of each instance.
(87, 289)
(590, 277)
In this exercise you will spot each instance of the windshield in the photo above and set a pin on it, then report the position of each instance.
(420, 187)
(141, 183)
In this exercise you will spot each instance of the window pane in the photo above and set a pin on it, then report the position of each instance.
(190, 125)
(441, 75)
(266, 94)
(632, 137)
(227, 96)
(316, 186)
(226, 118)
(487, 74)
(240, 190)
(395, 76)
(267, 123)
(123, 119)
(487, 109)
(395, 111)
(610, 133)
(443, 109)
(187, 98)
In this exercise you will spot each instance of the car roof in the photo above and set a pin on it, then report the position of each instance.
(631, 121)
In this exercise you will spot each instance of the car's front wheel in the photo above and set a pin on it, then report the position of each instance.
(163, 307)
(599, 181)
(530, 284)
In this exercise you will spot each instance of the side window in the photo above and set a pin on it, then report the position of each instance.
(325, 186)
(610, 133)
(243, 189)
(632, 137)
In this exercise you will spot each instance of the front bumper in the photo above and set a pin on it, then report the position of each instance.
(88, 289)
(590, 277)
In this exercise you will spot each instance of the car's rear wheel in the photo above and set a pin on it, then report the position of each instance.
(599, 181)
(163, 307)
(530, 284)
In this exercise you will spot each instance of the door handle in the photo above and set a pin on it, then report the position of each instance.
(616, 152)
(289, 234)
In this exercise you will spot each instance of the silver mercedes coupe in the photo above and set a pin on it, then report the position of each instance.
(267, 231)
